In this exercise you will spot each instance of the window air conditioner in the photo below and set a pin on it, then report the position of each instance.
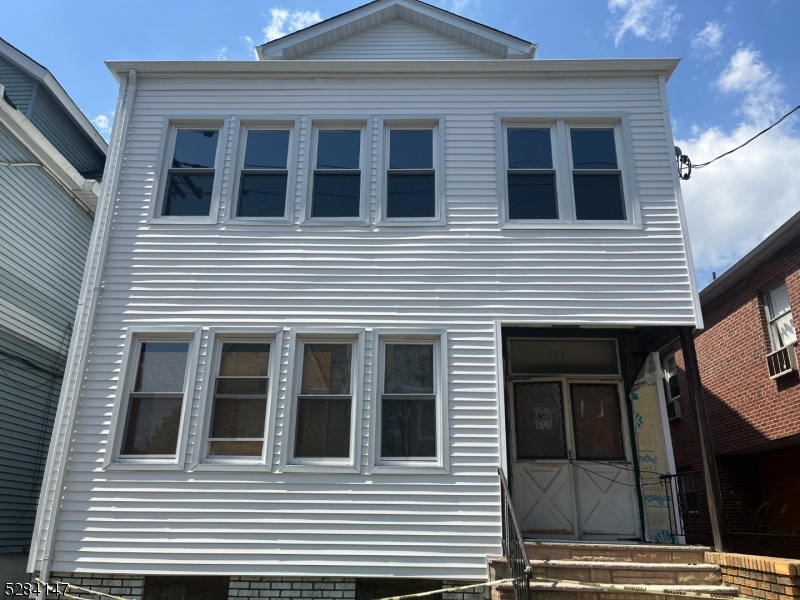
(781, 362)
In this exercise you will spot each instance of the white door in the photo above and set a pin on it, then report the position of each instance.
(572, 476)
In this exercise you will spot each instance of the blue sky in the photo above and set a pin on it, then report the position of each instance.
(740, 71)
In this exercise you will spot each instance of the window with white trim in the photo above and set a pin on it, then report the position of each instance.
(565, 171)
(672, 391)
(336, 186)
(263, 181)
(411, 173)
(780, 321)
(324, 402)
(238, 416)
(191, 171)
(155, 399)
(409, 396)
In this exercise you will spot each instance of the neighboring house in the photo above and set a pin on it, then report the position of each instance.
(50, 161)
(334, 289)
(747, 357)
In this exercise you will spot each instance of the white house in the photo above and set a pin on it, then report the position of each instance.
(331, 291)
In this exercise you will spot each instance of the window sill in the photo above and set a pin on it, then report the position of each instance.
(319, 468)
(336, 221)
(409, 468)
(231, 466)
(418, 222)
(181, 221)
(143, 465)
(258, 221)
(573, 225)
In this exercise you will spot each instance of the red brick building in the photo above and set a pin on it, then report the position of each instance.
(754, 418)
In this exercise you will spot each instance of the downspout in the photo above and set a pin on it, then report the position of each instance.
(67, 413)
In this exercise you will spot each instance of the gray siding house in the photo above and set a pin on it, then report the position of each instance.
(51, 159)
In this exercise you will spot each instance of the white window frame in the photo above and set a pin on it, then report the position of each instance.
(773, 335)
(134, 338)
(675, 401)
(351, 122)
(169, 135)
(561, 122)
(441, 463)
(247, 124)
(217, 336)
(298, 337)
(388, 123)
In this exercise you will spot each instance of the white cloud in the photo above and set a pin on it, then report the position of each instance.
(103, 123)
(459, 6)
(737, 201)
(707, 43)
(283, 22)
(648, 19)
(221, 53)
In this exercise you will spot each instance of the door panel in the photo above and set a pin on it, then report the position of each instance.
(543, 497)
(606, 500)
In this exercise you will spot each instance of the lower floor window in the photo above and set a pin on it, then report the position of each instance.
(688, 493)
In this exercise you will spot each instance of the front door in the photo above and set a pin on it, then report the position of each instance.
(572, 476)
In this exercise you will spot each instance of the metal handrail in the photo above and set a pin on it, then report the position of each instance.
(514, 545)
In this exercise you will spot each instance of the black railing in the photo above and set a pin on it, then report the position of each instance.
(513, 544)
(681, 496)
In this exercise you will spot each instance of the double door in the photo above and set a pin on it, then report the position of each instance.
(571, 468)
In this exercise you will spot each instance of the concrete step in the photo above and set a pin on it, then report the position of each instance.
(587, 551)
(545, 590)
(627, 572)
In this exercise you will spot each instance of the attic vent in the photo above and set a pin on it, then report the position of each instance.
(781, 362)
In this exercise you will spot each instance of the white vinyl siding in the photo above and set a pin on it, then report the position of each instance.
(459, 278)
(396, 40)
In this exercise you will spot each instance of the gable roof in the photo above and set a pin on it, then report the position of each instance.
(44, 77)
(330, 31)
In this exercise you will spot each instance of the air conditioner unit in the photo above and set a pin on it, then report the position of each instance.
(673, 410)
(781, 362)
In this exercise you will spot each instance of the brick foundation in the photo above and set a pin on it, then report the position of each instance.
(321, 588)
(759, 576)
(129, 587)
(478, 593)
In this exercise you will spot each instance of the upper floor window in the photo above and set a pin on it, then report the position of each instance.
(411, 177)
(596, 176)
(264, 175)
(238, 416)
(155, 400)
(324, 402)
(779, 317)
(565, 172)
(191, 172)
(672, 391)
(337, 174)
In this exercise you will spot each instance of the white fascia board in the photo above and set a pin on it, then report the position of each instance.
(516, 47)
(606, 67)
(87, 190)
(38, 72)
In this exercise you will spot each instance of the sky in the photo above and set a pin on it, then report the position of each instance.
(740, 71)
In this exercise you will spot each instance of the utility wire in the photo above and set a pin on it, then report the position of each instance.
(705, 164)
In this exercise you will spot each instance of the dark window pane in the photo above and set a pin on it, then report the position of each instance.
(323, 428)
(195, 149)
(188, 194)
(245, 360)
(152, 425)
(539, 420)
(170, 587)
(529, 149)
(409, 369)
(411, 149)
(162, 367)
(408, 428)
(674, 388)
(247, 386)
(532, 196)
(598, 197)
(593, 149)
(411, 195)
(597, 422)
(235, 448)
(239, 418)
(262, 195)
(336, 195)
(338, 149)
(266, 150)
(326, 369)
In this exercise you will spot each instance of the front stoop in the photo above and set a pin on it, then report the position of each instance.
(681, 567)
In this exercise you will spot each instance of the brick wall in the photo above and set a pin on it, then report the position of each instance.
(745, 407)
(759, 577)
(126, 586)
(324, 588)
